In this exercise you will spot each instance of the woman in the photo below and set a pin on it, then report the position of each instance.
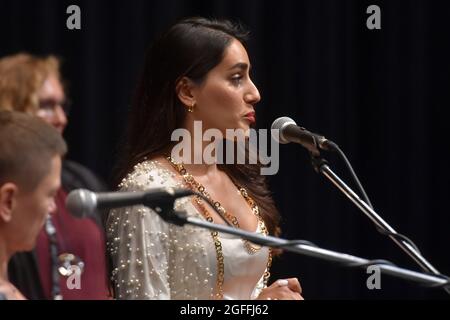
(197, 71)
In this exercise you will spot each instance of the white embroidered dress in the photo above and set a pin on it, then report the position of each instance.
(156, 260)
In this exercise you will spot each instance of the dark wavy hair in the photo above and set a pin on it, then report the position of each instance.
(190, 48)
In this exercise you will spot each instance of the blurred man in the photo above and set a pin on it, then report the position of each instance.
(27, 187)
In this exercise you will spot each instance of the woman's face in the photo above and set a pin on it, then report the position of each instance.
(226, 99)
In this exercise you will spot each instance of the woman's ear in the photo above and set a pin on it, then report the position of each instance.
(8, 193)
(185, 89)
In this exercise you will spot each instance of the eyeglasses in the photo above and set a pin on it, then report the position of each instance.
(47, 107)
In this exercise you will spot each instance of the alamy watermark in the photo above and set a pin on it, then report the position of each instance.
(74, 279)
(374, 20)
(74, 20)
(210, 146)
(374, 280)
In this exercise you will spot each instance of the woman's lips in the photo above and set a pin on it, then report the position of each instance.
(251, 117)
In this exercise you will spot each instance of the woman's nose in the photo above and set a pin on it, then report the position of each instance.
(252, 96)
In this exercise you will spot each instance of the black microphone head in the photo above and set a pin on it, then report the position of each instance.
(81, 203)
(281, 123)
(180, 192)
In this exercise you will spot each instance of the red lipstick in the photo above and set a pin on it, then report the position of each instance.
(251, 116)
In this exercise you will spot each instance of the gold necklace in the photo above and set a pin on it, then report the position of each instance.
(189, 180)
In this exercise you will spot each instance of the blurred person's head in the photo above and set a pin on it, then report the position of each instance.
(30, 168)
(191, 73)
(33, 85)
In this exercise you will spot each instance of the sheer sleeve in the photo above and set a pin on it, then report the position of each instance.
(138, 245)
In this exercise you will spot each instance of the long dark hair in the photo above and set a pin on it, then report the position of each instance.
(190, 48)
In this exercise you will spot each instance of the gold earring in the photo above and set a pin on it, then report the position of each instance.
(191, 108)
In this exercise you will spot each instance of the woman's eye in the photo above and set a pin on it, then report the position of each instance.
(237, 79)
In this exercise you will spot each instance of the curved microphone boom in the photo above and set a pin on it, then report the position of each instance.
(83, 203)
(290, 132)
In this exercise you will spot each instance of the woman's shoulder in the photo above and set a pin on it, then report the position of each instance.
(154, 173)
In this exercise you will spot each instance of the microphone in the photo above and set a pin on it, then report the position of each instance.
(290, 132)
(83, 203)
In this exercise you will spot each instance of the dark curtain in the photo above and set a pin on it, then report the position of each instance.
(380, 94)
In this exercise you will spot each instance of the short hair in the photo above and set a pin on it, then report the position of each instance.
(27, 146)
(21, 77)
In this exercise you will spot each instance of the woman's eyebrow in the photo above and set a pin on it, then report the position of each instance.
(241, 65)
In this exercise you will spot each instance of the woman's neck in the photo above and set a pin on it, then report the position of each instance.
(209, 169)
(200, 163)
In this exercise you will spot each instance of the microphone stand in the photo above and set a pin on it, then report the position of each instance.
(321, 166)
(181, 218)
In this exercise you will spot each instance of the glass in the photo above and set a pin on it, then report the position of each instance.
(47, 107)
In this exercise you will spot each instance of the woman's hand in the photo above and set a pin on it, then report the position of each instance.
(282, 289)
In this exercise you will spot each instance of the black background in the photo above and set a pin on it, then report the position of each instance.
(380, 94)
